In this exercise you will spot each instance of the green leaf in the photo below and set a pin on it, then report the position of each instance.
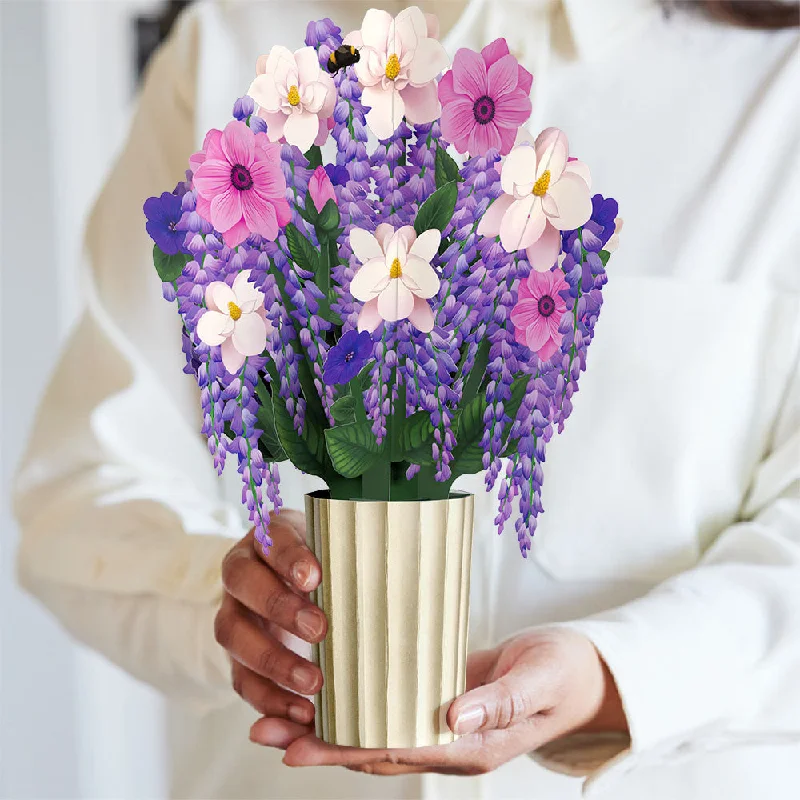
(365, 376)
(329, 217)
(344, 410)
(352, 448)
(310, 213)
(444, 244)
(306, 451)
(446, 167)
(169, 267)
(304, 254)
(604, 256)
(266, 421)
(416, 438)
(313, 156)
(437, 210)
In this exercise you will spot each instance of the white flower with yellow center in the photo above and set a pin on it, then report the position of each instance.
(396, 278)
(235, 320)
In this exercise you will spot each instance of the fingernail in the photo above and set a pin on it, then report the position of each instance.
(470, 720)
(309, 623)
(304, 678)
(300, 714)
(301, 574)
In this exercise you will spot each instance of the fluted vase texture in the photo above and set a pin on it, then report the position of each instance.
(395, 589)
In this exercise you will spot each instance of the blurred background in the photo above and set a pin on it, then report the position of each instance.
(69, 67)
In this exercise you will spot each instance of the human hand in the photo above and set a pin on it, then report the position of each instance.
(264, 602)
(532, 689)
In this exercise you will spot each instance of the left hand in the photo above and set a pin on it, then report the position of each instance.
(532, 689)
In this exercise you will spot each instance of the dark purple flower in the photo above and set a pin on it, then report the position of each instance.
(163, 215)
(347, 357)
(338, 174)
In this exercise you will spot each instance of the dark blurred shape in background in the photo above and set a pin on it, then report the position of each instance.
(152, 29)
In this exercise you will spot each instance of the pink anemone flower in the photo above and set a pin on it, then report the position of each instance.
(538, 312)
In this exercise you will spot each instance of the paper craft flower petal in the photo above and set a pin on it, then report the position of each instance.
(501, 77)
(580, 169)
(213, 328)
(365, 246)
(265, 93)
(369, 318)
(218, 296)
(424, 278)
(395, 301)
(494, 51)
(307, 64)
(213, 176)
(552, 151)
(231, 357)
(573, 202)
(430, 58)
(383, 233)
(226, 209)
(542, 254)
(426, 245)
(386, 110)
(422, 103)
(248, 297)
(237, 234)
(518, 168)
(249, 335)
(469, 73)
(375, 28)
(493, 216)
(238, 144)
(421, 316)
(522, 224)
(301, 129)
(368, 278)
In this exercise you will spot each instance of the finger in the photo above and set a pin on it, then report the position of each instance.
(268, 698)
(279, 733)
(289, 555)
(509, 699)
(479, 664)
(237, 632)
(245, 577)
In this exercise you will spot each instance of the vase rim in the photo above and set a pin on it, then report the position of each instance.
(324, 494)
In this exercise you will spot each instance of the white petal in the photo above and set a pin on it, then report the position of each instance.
(424, 280)
(308, 68)
(369, 318)
(280, 64)
(313, 97)
(421, 316)
(427, 244)
(386, 110)
(519, 167)
(368, 279)
(364, 245)
(493, 216)
(369, 69)
(573, 202)
(403, 36)
(265, 93)
(301, 129)
(397, 246)
(231, 357)
(522, 224)
(354, 38)
(383, 233)
(581, 170)
(395, 301)
(542, 254)
(375, 28)
(214, 328)
(552, 151)
(248, 297)
(218, 295)
(249, 335)
(430, 58)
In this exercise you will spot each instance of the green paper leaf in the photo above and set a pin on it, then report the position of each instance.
(352, 448)
(269, 438)
(310, 213)
(446, 167)
(169, 267)
(416, 438)
(313, 156)
(604, 256)
(304, 254)
(437, 210)
(329, 217)
(344, 410)
(306, 451)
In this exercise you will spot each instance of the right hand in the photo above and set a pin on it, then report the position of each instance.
(265, 603)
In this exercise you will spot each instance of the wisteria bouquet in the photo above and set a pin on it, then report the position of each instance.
(385, 317)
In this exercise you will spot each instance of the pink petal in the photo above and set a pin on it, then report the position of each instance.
(395, 301)
(231, 357)
(236, 235)
(512, 110)
(421, 316)
(259, 214)
(522, 224)
(282, 211)
(275, 124)
(430, 58)
(524, 80)
(213, 328)
(493, 216)
(301, 129)
(226, 209)
(386, 110)
(536, 334)
(369, 318)
(549, 348)
(573, 202)
(320, 188)
(268, 179)
(238, 143)
(469, 73)
(552, 151)
(494, 51)
(432, 26)
(375, 28)
(422, 103)
(501, 78)
(507, 138)
(447, 94)
(542, 254)
(383, 233)
(212, 178)
(483, 138)
(212, 145)
(325, 127)
(249, 335)
(458, 120)
(204, 207)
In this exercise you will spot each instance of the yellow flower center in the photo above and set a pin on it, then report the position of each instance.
(392, 67)
(234, 311)
(396, 271)
(542, 185)
(294, 96)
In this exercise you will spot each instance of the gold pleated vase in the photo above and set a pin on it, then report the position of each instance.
(395, 589)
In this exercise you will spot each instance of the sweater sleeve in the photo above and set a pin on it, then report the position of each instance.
(123, 528)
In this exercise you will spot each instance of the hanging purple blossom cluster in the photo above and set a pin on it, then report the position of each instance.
(393, 319)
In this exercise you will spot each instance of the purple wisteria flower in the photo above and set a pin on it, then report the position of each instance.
(510, 270)
(163, 215)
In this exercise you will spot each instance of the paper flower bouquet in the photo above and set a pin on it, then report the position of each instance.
(385, 317)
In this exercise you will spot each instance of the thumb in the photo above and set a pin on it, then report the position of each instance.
(524, 690)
